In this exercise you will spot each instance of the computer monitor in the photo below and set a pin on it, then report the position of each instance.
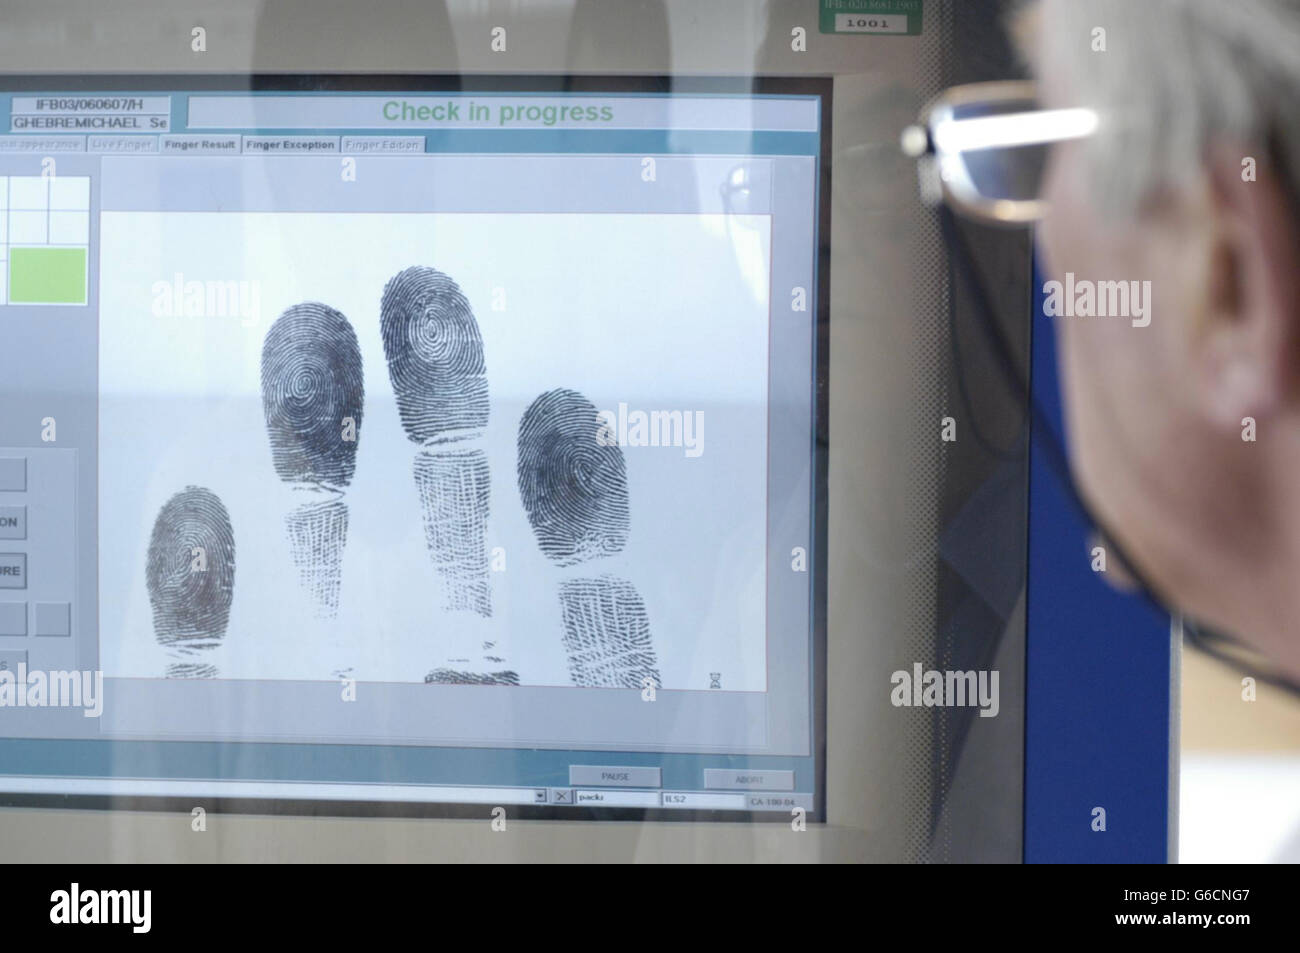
(426, 446)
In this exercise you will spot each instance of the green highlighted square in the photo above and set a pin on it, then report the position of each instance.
(47, 275)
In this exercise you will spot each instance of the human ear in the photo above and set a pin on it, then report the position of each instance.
(1247, 339)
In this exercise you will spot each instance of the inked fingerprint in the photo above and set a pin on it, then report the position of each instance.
(312, 394)
(190, 575)
(317, 534)
(573, 486)
(606, 633)
(435, 356)
(447, 676)
(311, 387)
(439, 376)
(454, 488)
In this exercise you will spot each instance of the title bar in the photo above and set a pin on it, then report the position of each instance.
(488, 111)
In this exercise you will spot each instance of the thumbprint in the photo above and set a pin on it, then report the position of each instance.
(435, 362)
(573, 485)
(190, 575)
(312, 395)
(606, 634)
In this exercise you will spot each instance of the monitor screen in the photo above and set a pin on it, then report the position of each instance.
(414, 447)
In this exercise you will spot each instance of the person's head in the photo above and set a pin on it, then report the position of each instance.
(1185, 432)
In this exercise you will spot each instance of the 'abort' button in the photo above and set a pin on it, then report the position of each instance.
(746, 780)
(53, 618)
(13, 618)
(13, 522)
(13, 570)
(13, 474)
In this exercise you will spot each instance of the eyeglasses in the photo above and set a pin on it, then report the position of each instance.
(983, 148)
(981, 152)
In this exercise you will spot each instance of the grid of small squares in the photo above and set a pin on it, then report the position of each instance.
(44, 211)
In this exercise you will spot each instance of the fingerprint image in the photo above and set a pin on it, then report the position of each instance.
(190, 575)
(312, 396)
(311, 384)
(447, 676)
(573, 487)
(317, 532)
(435, 356)
(606, 633)
(435, 362)
(453, 488)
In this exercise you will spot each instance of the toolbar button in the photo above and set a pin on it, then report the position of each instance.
(601, 775)
(13, 522)
(13, 570)
(53, 618)
(747, 780)
(13, 618)
(13, 474)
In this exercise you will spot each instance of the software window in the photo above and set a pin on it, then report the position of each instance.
(438, 448)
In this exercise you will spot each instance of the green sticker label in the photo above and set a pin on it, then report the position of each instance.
(872, 17)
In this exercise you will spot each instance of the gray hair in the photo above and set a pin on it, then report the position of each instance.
(1176, 78)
